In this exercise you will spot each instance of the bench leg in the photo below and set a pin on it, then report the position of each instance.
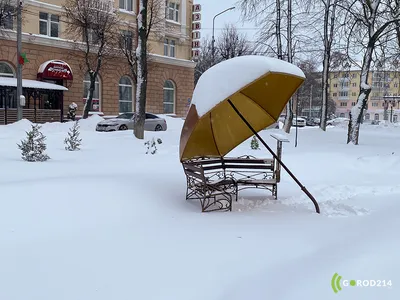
(211, 203)
(275, 191)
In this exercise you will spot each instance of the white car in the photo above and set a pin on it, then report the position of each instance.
(337, 121)
(125, 121)
(299, 122)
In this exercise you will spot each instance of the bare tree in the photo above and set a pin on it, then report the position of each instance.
(205, 60)
(369, 21)
(272, 17)
(146, 26)
(142, 68)
(96, 22)
(129, 35)
(232, 43)
(330, 7)
(8, 11)
(310, 93)
(289, 106)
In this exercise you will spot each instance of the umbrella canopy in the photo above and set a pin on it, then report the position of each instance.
(258, 86)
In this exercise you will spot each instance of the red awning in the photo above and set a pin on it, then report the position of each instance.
(55, 69)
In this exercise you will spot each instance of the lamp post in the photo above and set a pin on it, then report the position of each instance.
(213, 36)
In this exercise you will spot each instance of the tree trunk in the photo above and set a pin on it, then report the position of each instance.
(328, 39)
(278, 29)
(289, 106)
(141, 86)
(358, 110)
(89, 99)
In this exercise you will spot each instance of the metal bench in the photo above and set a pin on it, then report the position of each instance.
(221, 176)
(213, 193)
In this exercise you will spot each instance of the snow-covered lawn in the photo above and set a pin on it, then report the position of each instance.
(110, 222)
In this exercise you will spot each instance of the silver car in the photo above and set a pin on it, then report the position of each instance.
(125, 122)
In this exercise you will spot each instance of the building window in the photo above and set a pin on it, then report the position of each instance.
(96, 94)
(6, 16)
(127, 40)
(342, 115)
(49, 24)
(172, 11)
(335, 85)
(353, 104)
(367, 117)
(396, 85)
(169, 97)
(343, 94)
(126, 4)
(376, 117)
(343, 103)
(344, 84)
(6, 70)
(395, 119)
(169, 47)
(354, 94)
(374, 104)
(334, 94)
(354, 84)
(125, 94)
(353, 76)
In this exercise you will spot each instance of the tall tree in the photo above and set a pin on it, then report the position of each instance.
(368, 21)
(142, 67)
(129, 33)
(268, 15)
(330, 7)
(289, 106)
(232, 43)
(96, 22)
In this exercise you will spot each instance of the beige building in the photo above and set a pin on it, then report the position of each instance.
(53, 61)
(383, 102)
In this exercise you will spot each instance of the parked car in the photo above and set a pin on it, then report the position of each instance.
(313, 122)
(337, 121)
(125, 122)
(299, 122)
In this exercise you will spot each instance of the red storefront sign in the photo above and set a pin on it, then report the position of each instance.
(55, 69)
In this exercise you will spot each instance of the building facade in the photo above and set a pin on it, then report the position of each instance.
(53, 59)
(384, 99)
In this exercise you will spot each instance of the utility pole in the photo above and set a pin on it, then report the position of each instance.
(19, 65)
(309, 112)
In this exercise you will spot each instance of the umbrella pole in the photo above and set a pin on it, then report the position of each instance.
(303, 188)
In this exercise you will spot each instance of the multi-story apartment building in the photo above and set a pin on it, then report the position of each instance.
(384, 99)
(54, 78)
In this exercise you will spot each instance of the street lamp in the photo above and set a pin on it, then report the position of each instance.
(213, 37)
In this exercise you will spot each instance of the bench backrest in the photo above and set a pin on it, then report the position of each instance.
(243, 168)
(194, 171)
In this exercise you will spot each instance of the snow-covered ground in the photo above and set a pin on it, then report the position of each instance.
(110, 222)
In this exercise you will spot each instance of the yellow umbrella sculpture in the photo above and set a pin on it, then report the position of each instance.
(234, 100)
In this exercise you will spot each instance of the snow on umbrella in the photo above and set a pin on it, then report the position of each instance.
(234, 100)
(258, 86)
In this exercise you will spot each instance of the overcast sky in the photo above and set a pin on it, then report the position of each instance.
(212, 7)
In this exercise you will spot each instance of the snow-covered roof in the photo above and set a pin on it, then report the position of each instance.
(230, 76)
(34, 84)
